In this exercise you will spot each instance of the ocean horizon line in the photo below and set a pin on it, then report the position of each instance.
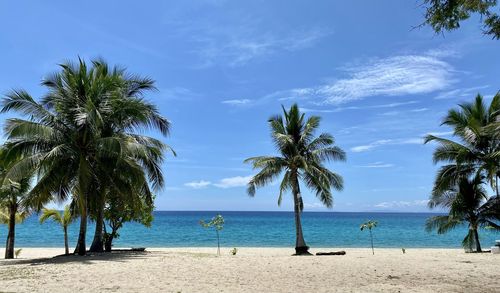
(322, 211)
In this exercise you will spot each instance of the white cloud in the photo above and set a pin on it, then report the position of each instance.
(340, 109)
(236, 46)
(462, 93)
(419, 110)
(314, 205)
(198, 184)
(402, 204)
(417, 140)
(382, 142)
(237, 102)
(237, 181)
(392, 76)
(367, 147)
(178, 94)
(377, 165)
(442, 133)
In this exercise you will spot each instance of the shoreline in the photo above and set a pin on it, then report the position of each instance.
(35, 252)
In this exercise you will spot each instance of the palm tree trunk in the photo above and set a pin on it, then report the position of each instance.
(496, 186)
(9, 246)
(81, 245)
(83, 182)
(300, 244)
(97, 243)
(476, 238)
(66, 246)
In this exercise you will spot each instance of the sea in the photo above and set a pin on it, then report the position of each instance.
(262, 229)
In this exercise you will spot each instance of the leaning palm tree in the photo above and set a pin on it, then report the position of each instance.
(64, 219)
(476, 149)
(302, 158)
(466, 202)
(80, 130)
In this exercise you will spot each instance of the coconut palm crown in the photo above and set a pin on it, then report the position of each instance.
(302, 157)
(476, 149)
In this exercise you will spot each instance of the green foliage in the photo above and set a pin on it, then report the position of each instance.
(368, 225)
(447, 15)
(64, 219)
(4, 216)
(80, 138)
(217, 223)
(117, 212)
(470, 161)
(302, 157)
(467, 202)
(476, 149)
(17, 253)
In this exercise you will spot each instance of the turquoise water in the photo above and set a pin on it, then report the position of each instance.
(273, 229)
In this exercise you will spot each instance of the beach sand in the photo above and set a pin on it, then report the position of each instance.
(252, 270)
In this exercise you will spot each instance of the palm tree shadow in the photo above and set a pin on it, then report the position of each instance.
(118, 256)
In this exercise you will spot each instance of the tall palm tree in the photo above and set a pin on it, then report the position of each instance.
(302, 158)
(69, 139)
(466, 202)
(64, 219)
(477, 148)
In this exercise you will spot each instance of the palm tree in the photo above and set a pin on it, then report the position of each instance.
(13, 198)
(466, 202)
(302, 157)
(63, 219)
(477, 149)
(82, 133)
(10, 219)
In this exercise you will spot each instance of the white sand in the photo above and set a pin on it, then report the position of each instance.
(252, 270)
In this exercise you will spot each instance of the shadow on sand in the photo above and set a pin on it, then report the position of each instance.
(115, 255)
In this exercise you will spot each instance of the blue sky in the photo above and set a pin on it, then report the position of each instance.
(224, 67)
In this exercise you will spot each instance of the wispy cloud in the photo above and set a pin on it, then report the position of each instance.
(236, 46)
(230, 182)
(419, 110)
(178, 94)
(314, 205)
(382, 142)
(198, 184)
(237, 181)
(377, 165)
(237, 102)
(461, 93)
(391, 76)
(440, 133)
(402, 204)
(340, 109)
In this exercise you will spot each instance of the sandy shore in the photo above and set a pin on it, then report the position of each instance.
(252, 270)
